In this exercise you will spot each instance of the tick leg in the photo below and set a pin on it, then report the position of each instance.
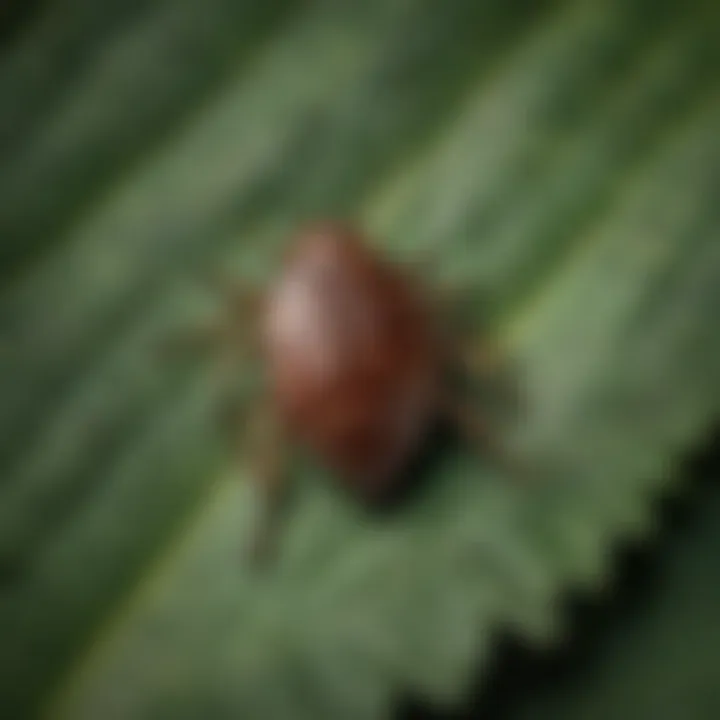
(479, 434)
(233, 334)
(268, 465)
(241, 306)
(240, 300)
(467, 336)
(467, 421)
(492, 373)
(203, 338)
(481, 360)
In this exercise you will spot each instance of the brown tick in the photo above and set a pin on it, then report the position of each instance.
(358, 362)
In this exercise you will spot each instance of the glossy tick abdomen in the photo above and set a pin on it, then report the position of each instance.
(353, 358)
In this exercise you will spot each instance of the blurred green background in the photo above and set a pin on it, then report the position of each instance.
(561, 157)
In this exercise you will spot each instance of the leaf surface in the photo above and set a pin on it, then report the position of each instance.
(564, 161)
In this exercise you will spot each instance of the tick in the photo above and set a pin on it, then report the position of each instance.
(359, 359)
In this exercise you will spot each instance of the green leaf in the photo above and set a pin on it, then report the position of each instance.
(565, 160)
(648, 649)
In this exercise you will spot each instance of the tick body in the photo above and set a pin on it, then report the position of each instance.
(353, 357)
(357, 361)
